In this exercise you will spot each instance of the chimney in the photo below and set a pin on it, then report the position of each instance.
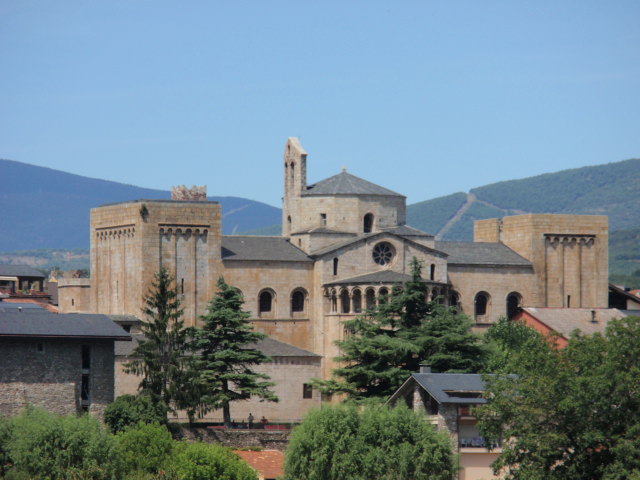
(425, 368)
(593, 317)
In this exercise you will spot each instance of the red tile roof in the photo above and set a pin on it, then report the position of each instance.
(268, 463)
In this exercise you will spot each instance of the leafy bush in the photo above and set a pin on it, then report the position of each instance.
(5, 436)
(145, 448)
(342, 443)
(129, 410)
(203, 461)
(44, 445)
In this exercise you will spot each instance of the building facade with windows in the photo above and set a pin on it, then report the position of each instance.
(344, 245)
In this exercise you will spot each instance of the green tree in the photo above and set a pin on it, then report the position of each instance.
(145, 448)
(570, 413)
(390, 341)
(344, 443)
(204, 461)
(130, 410)
(47, 446)
(226, 355)
(162, 358)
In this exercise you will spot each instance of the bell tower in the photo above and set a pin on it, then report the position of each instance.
(295, 181)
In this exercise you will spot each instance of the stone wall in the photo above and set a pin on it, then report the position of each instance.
(74, 295)
(266, 439)
(48, 373)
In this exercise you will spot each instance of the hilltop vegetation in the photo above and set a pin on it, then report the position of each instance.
(46, 208)
(612, 189)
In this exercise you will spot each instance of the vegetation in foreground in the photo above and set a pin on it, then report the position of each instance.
(347, 443)
(38, 445)
(569, 413)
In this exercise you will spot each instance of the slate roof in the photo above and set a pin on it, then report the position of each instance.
(566, 320)
(346, 184)
(237, 247)
(268, 346)
(11, 306)
(444, 386)
(55, 325)
(19, 271)
(383, 276)
(407, 231)
(275, 348)
(481, 253)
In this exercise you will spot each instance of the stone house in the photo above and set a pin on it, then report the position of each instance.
(61, 362)
(22, 281)
(345, 244)
(447, 399)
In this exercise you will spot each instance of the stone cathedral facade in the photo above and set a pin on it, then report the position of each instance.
(344, 245)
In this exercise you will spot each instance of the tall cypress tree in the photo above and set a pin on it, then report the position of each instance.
(226, 354)
(162, 358)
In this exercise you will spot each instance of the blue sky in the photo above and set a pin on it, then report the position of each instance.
(426, 98)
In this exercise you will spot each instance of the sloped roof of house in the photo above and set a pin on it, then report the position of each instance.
(451, 387)
(41, 323)
(481, 253)
(268, 463)
(346, 184)
(566, 320)
(383, 276)
(278, 249)
(269, 346)
(408, 231)
(19, 271)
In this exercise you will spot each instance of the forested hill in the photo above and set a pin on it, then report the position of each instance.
(612, 189)
(45, 208)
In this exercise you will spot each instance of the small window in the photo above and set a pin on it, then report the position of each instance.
(84, 389)
(182, 286)
(481, 306)
(86, 357)
(126, 328)
(568, 301)
(307, 390)
(432, 272)
(73, 302)
(370, 297)
(297, 301)
(40, 347)
(383, 295)
(368, 223)
(323, 219)
(265, 302)
(335, 266)
(514, 301)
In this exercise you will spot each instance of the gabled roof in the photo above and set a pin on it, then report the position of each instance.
(382, 277)
(275, 348)
(346, 184)
(19, 271)
(237, 247)
(566, 320)
(407, 231)
(447, 387)
(269, 346)
(338, 245)
(38, 323)
(481, 253)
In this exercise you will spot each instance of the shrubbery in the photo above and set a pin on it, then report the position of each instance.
(38, 445)
(129, 410)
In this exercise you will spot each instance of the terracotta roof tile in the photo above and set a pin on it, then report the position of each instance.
(268, 463)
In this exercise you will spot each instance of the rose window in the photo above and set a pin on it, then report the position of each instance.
(383, 253)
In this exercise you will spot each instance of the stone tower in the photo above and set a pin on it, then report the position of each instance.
(131, 241)
(569, 254)
(295, 181)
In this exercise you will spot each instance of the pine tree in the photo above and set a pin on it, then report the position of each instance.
(390, 341)
(226, 355)
(162, 358)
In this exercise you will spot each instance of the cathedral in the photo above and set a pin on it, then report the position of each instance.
(345, 243)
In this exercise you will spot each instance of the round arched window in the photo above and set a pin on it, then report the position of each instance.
(383, 253)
